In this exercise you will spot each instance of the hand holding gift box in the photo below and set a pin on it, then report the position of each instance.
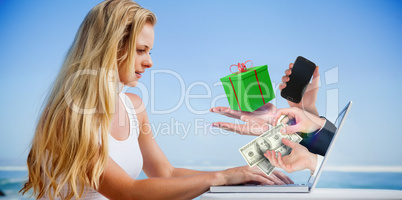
(249, 88)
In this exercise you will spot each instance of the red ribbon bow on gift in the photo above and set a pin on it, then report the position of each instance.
(241, 66)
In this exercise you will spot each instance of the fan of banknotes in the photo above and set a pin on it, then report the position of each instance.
(253, 152)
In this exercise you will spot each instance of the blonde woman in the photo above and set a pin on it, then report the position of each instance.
(92, 141)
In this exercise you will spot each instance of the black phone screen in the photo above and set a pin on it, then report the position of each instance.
(302, 72)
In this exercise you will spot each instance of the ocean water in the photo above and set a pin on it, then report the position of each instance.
(11, 181)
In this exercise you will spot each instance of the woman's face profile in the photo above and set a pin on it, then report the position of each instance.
(144, 44)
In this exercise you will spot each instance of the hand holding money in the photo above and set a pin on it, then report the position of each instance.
(253, 152)
(299, 159)
(305, 121)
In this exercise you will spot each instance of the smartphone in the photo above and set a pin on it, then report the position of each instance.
(302, 72)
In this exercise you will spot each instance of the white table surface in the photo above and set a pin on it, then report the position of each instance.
(318, 193)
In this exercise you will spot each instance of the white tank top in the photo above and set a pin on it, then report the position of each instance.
(126, 154)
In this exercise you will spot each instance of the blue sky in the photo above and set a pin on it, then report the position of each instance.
(198, 41)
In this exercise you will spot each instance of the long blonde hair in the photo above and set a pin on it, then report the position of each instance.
(70, 148)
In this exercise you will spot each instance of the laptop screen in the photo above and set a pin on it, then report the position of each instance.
(340, 117)
(338, 123)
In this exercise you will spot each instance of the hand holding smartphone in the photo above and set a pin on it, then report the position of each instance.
(302, 72)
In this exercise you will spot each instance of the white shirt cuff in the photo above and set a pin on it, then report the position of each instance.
(318, 165)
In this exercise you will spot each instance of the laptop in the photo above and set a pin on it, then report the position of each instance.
(290, 188)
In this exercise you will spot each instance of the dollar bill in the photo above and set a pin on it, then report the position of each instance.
(266, 167)
(253, 152)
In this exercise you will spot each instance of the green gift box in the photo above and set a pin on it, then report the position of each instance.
(248, 89)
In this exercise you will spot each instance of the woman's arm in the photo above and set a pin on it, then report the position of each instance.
(155, 162)
(116, 184)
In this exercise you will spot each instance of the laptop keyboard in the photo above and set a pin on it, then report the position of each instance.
(287, 185)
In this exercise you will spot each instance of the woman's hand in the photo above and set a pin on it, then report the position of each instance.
(305, 121)
(279, 178)
(300, 158)
(310, 95)
(257, 122)
(247, 174)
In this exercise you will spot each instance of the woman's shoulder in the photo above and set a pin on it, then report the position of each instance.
(138, 105)
(135, 99)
